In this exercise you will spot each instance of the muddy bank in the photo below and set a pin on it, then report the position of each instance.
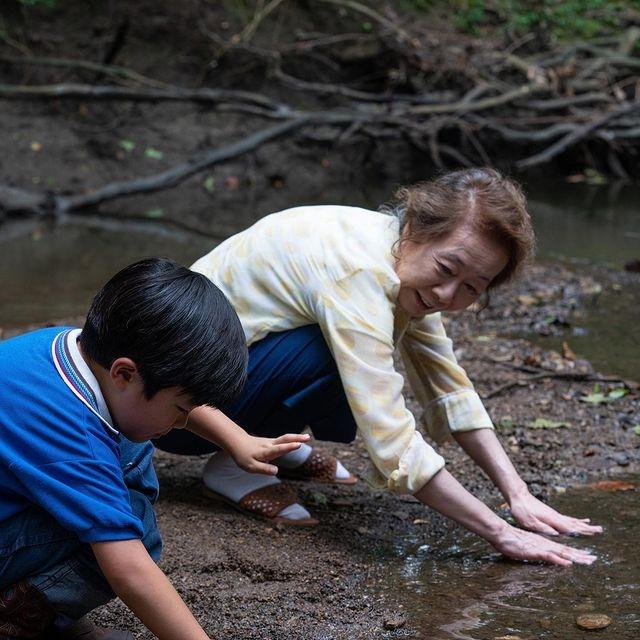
(246, 579)
(419, 95)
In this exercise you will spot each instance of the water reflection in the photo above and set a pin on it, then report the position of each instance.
(456, 590)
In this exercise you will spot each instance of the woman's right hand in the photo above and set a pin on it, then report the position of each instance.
(525, 545)
(445, 494)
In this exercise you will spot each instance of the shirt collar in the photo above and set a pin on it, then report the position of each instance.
(78, 376)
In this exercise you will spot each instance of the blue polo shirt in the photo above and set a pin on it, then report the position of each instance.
(58, 449)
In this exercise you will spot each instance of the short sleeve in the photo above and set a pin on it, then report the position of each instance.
(86, 496)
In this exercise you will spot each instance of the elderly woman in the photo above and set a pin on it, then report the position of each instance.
(326, 294)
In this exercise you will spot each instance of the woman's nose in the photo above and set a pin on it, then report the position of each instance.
(446, 293)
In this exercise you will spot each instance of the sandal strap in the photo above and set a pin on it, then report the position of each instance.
(319, 466)
(268, 501)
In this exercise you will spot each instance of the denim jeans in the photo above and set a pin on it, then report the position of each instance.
(292, 382)
(34, 546)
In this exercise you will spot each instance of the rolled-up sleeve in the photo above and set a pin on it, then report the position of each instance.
(448, 399)
(357, 322)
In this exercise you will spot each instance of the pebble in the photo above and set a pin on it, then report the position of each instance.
(394, 621)
(593, 621)
(621, 458)
(508, 638)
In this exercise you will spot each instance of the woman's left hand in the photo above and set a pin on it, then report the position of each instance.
(536, 516)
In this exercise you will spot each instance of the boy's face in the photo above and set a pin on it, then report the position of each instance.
(137, 417)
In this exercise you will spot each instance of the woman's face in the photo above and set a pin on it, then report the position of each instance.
(447, 274)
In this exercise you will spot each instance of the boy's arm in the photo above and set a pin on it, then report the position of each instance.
(144, 588)
(249, 452)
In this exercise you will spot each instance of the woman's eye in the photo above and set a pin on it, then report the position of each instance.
(445, 269)
(472, 289)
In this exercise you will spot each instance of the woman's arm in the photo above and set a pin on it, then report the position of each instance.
(249, 452)
(452, 407)
(484, 448)
(446, 495)
(143, 587)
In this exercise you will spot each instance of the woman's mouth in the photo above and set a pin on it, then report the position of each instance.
(425, 303)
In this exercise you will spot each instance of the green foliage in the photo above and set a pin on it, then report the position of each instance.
(470, 15)
(49, 4)
(544, 423)
(562, 20)
(416, 5)
(600, 397)
(239, 10)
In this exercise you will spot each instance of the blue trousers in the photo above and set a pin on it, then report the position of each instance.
(34, 546)
(293, 382)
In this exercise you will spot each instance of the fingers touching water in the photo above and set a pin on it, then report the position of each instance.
(525, 545)
(536, 516)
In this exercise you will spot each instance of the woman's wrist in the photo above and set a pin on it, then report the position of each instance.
(447, 496)
(516, 490)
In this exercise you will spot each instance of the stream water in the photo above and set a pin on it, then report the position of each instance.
(456, 589)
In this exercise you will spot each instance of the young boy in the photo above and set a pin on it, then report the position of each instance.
(76, 474)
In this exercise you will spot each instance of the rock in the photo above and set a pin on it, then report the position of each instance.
(508, 638)
(632, 265)
(545, 623)
(393, 621)
(592, 621)
(621, 458)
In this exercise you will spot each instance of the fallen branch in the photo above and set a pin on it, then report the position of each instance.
(177, 174)
(102, 92)
(19, 201)
(573, 376)
(86, 65)
(574, 137)
(464, 106)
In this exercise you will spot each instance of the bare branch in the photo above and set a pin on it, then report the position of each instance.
(68, 63)
(576, 136)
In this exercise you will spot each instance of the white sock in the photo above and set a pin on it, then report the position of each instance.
(222, 475)
(295, 458)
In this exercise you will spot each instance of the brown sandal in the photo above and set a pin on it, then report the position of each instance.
(319, 467)
(266, 503)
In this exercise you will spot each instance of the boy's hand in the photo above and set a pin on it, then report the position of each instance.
(252, 453)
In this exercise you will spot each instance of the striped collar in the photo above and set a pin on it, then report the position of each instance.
(78, 377)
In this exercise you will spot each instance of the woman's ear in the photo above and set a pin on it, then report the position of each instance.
(123, 372)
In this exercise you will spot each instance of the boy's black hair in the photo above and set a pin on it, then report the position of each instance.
(175, 324)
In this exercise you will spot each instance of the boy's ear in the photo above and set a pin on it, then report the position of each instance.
(123, 372)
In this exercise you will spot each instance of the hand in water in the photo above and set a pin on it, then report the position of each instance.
(534, 515)
(524, 545)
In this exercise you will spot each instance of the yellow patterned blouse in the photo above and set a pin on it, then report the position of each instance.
(333, 266)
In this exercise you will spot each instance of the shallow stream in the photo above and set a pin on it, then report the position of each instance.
(456, 589)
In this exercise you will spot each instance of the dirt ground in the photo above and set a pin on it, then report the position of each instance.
(244, 578)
